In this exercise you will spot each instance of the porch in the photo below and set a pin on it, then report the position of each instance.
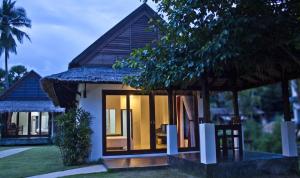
(250, 163)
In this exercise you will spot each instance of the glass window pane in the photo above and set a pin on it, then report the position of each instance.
(161, 121)
(12, 129)
(35, 126)
(45, 123)
(186, 120)
(111, 122)
(140, 127)
(116, 138)
(23, 123)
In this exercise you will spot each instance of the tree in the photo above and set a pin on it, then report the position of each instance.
(12, 19)
(16, 72)
(2, 80)
(201, 36)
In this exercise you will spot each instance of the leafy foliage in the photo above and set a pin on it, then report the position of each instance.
(15, 73)
(73, 136)
(200, 37)
(267, 98)
(261, 141)
(12, 20)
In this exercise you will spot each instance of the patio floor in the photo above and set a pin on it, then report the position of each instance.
(251, 164)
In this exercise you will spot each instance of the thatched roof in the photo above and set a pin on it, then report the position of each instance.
(29, 106)
(91, 75)
(62, 87)
(27, 95)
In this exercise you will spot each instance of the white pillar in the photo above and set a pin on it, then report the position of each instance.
(208, 152)
(172, 147)
(288, 138)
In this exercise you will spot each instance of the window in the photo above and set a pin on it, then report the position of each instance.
(45, 123)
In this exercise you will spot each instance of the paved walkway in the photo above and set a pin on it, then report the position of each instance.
(10, 152)
(84, 170)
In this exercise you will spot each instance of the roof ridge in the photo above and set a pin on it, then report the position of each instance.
(142, 8)
(17, 83)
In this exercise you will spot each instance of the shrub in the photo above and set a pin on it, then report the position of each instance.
(266, 142)
(74, 136)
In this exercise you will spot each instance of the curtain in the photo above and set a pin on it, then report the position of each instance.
(189, 107)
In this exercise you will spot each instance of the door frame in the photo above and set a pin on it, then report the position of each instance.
(151, 95)
(126, 93)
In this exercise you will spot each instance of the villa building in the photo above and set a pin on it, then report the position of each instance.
(27, 112)
(128, 121)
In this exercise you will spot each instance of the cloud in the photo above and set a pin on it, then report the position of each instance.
(62, 29)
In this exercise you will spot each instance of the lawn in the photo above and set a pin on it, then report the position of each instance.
(159, 173)
(38, 160)
(45, 159)
(166, 173)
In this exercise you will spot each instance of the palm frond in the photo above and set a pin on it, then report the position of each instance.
(11, 19)
(19, 34)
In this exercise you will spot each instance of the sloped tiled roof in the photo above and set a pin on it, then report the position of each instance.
(91, 75)
(29, 106)
(27, 95)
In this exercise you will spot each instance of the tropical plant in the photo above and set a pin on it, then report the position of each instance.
(73, 136)
(15, 73)
(260, 140)
(12, 20)
(200, 36)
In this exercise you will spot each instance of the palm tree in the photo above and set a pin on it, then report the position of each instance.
(11, 20)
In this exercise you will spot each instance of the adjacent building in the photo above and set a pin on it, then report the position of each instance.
(26, 112)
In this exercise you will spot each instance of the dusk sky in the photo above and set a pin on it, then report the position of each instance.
(62, 29)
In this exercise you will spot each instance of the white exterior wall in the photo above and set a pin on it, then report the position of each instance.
(93, 104)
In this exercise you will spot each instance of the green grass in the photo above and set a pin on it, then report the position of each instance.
(163, 173)
(46, 159)
(38, 160)
(159, 173)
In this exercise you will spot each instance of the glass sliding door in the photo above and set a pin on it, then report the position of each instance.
(23, 124)
(116, 123)
(12, 124)
(134, 122)
(27, 124)
(35, 123)
(44, 125)
(161, 120)
(186, 112)
(127, 123)
(140, 126)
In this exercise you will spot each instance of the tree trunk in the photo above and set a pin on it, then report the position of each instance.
(6, 70)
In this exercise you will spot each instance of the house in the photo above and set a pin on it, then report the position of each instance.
(126, 120)
(26, 112)
(129, 121)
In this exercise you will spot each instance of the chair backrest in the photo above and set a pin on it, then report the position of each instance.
(163, 128)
